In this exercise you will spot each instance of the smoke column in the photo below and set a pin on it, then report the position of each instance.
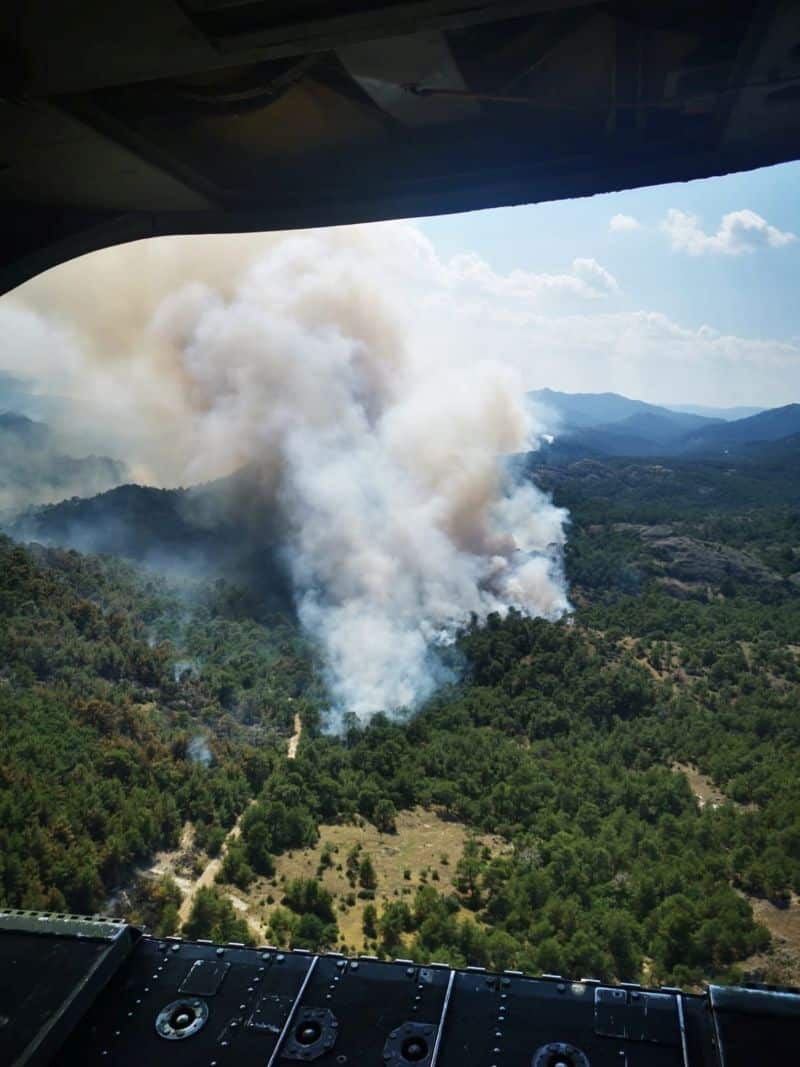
(302, 356)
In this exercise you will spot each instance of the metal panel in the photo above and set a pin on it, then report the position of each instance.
(387, 69)
(52, 968)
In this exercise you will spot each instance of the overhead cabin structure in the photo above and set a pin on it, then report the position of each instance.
(144, 117)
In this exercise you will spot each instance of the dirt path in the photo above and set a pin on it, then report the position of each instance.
(294, 740)
(208, 876)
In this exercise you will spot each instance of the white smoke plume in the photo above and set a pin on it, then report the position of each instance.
(199, 752)
(310, 357)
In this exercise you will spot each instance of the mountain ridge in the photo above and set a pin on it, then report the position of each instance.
(615, 425)
(222, 527)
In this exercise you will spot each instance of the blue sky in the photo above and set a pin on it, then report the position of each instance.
(753, 294)
(741, 281)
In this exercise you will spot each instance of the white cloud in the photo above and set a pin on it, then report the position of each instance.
(586, 280)
(598, 280)
(556, 330)
(640, 353)
(623, 223)
(739, 231)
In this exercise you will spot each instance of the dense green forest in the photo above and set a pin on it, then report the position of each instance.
(564, 739)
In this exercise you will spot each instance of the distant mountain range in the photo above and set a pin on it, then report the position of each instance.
(19, 397)
(767, 426)
(728, 414)
(591, 410)
(613, 425)
(35, 469)
(230, 527)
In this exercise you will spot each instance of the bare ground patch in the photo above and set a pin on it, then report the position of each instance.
(781, 962)
(702, 786)
(180, 863)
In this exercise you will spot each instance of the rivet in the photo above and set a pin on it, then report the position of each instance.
(264, 956)
(410, 972)
(354, 965)
(176, 948)
(220, 951)
(280, 957)
(561, 987)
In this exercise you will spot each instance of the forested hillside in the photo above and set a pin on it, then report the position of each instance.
(575, 745)
(96, 767)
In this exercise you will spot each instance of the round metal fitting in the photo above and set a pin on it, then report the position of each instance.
(559, 1054)
(410, 1043)
(181, 1018)
(312, 1036)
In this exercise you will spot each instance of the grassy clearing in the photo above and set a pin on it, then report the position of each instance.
(424, 843)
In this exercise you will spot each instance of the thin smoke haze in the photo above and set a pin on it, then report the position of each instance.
(300, 356)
